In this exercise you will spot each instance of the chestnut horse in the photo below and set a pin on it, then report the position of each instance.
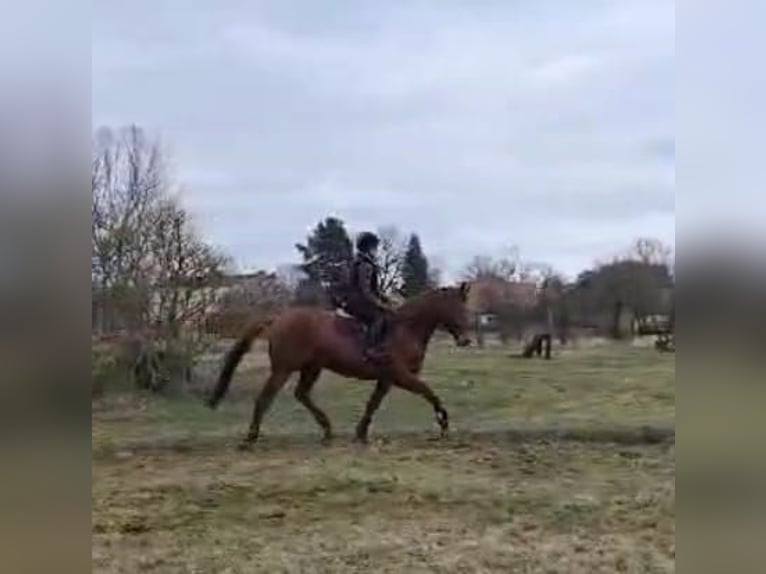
(309, 339)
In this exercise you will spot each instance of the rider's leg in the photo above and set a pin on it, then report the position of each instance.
(375, 335)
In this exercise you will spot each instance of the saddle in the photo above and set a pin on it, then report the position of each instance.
(350, 324)
(353, 328)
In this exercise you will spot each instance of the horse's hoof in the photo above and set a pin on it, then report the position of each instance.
(327, 440)
(361, 439)
(245, 446)
(443, 419)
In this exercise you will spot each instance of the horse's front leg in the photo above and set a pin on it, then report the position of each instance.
(410, 382)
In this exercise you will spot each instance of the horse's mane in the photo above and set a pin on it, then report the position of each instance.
(412, 306)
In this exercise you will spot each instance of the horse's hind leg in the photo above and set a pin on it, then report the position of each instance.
(275, 382)
(548, 346)
(309, 376)
(381, 390)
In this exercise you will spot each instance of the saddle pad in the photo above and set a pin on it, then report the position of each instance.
(342, 313)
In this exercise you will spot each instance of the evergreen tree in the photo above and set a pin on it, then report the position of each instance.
(327, 247)
(415, 274)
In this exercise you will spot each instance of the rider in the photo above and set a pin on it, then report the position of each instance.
(366, 302)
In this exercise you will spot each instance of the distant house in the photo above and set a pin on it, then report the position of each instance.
(487, 294)
(244, 297)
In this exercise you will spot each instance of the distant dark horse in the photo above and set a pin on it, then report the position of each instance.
(540, 337)
(536, 345)
(308, 339)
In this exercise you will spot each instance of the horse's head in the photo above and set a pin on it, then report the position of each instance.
(451, 313)
(442, 308)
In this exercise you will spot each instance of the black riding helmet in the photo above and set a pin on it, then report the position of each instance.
(366, 241)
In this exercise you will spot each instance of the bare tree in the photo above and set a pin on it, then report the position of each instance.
(152, 275)
(127, 178)
(290, 275)
(484, 267)
(185, 272)
(650, 251)
(393, 246)
(627, 289)
(510, 267)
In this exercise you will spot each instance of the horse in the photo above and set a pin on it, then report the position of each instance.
(308, 340)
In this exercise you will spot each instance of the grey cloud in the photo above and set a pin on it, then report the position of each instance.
(662, 148)
(476, 127)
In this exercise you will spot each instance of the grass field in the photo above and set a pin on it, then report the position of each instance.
(551, 467)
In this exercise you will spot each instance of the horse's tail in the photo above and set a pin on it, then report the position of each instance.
(233, 357)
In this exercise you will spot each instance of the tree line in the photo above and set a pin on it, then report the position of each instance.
(606, 299)
(169, 294)
(404, 268)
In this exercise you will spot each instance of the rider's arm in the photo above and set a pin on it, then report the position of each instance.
(365, 281)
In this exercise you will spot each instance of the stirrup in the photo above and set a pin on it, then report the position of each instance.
(376, 353)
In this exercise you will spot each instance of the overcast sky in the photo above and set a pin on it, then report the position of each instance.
(479, 124)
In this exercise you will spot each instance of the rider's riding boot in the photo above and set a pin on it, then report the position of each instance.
(374, 339)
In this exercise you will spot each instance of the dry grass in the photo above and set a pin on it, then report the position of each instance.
(474, 503)
(594, 387)
(398, 507)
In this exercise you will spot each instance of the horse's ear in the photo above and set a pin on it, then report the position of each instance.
(465, 287)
